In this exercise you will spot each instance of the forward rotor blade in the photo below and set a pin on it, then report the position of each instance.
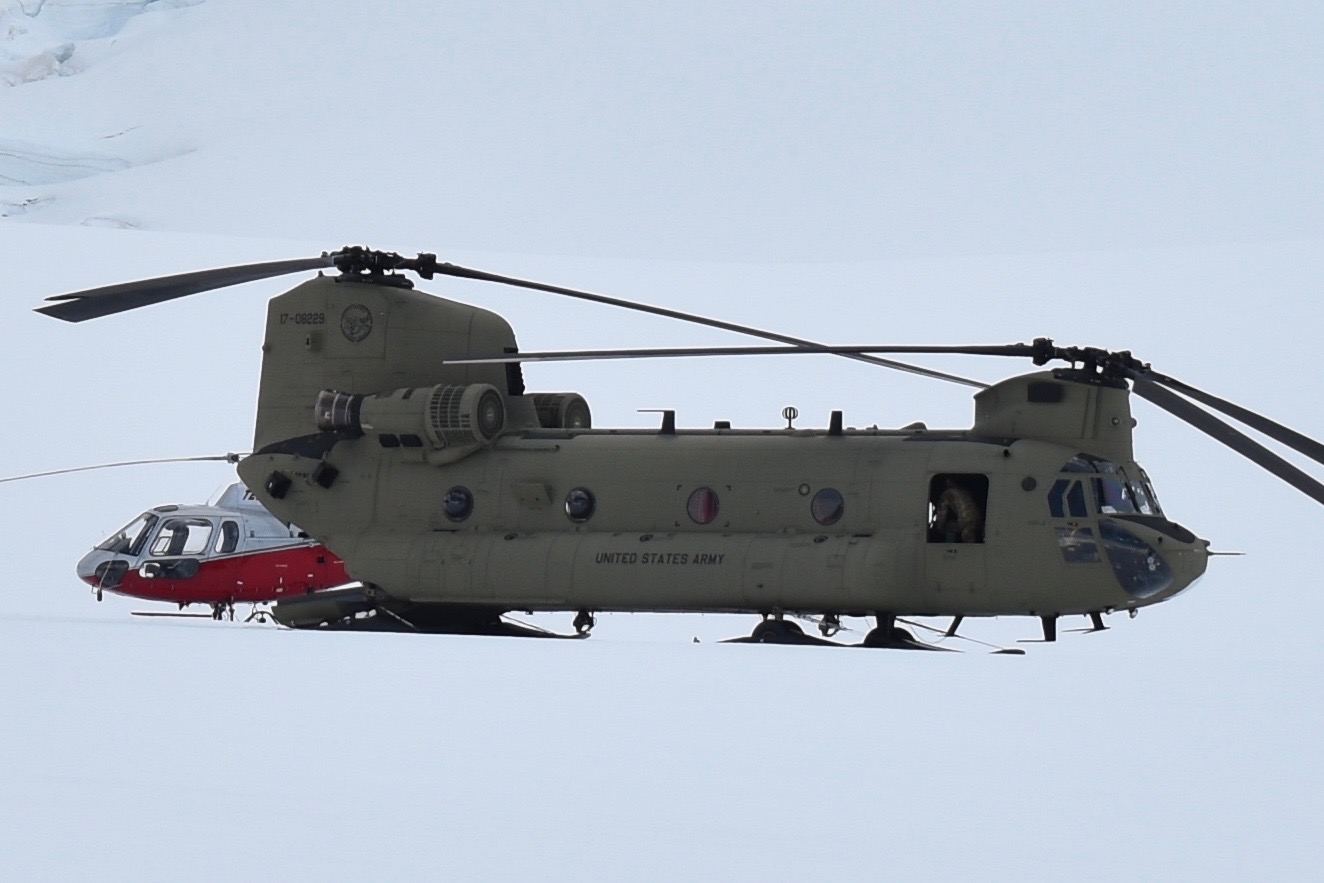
(480, 275)
(1233, 438)
(1018, 349)
(94, 303)
(228, 458)
(1302, 444)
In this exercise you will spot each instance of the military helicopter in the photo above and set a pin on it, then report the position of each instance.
(394, 426)
(231, 552)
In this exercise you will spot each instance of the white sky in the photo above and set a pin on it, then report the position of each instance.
(1137, 176)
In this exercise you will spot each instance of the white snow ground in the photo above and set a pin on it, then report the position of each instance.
(1129, 177)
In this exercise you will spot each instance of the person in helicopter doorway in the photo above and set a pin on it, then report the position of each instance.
(956, 515)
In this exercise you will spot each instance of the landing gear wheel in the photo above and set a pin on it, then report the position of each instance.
(776, 631)
(830, 625)
(584, 622)
(893, 636)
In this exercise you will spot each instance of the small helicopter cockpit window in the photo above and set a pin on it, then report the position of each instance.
(182, 536)
(228, 540)
(129, 541)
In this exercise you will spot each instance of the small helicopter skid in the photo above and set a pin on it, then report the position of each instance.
(221, 612)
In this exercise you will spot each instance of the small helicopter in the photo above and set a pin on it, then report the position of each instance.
(395, 427)
(232, 552)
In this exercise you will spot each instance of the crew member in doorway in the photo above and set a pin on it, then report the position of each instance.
(956, 515)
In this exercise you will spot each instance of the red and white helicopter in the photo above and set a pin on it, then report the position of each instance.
(229, 552)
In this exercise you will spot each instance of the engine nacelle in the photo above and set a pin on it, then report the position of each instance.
(438, 417)
(562, 410)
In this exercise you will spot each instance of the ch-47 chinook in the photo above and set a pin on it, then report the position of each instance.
(230, 552)
(395, 428)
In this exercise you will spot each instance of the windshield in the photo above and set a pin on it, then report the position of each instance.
(130, 539)
(1146, 499)
(1115, 490)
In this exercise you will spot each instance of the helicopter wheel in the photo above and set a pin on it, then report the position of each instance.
(889, 637)
(776, 631)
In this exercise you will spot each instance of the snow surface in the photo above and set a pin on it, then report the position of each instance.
(1133, 176)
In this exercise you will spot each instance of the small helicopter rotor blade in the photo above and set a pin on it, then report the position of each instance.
(1302, 444)
(228, 458)
(93, 303)
(447, 269)
(1233, 438)
(693, 352)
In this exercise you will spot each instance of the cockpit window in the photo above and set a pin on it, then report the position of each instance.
(182, 536)
(1113, 496)
(1115, 491)
(228, 540)
(129, 540)
(1145, 497)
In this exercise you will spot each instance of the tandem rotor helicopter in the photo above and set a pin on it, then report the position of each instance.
(394, 427)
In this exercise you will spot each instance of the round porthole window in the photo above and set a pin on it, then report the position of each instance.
(828, 506)
(702, 506)
(579, 504)
(458, 504)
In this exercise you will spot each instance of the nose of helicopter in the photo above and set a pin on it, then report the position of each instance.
(87, 565)
(1188, 561)
(1154, 559)
(100, 570)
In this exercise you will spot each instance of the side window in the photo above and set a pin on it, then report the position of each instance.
(958, 503)
(1067, 497)
(199, 535)
(1076, 501)
(182, 536)
(228, 540)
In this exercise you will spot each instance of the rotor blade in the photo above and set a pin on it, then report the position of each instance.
(1302, 444)
(1233, 438)
(94, 303)
(228, 458)
(1018, 349)
(480, 275)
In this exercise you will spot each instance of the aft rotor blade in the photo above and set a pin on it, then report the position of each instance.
(94, 303)
(228, 458)
(1291, 438)
(482, 276)
(1018, 349)
(1233, 438)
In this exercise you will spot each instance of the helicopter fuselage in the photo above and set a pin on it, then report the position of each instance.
(444, 483)
(224, 554)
